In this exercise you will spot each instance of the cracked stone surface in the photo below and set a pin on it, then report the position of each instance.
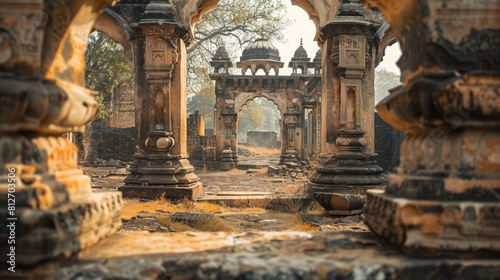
(260, 255)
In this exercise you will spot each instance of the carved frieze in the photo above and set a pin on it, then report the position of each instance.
(161, 50)
(352, 51)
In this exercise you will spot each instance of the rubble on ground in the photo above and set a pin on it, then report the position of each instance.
(245, 152)
(110, 162)
(294, 170)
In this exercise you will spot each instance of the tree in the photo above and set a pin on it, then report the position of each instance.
(203, 102)
(384, 81)
(236, 23)
(105, 68)
(258, 114)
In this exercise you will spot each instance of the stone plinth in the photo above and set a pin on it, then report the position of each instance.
(154, 176)
(47, 207)
(228, 160)
(430, 228)
(444, 198)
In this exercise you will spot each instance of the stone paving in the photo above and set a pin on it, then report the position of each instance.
(262, 255)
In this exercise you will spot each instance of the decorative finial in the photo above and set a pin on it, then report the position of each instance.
(301, 41)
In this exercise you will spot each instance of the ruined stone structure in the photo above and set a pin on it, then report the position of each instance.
(44, 197)
(287, 92)
(122, 106)
(158, 49)
(199, 145)
(103, 142)
(350, 47)
(442, 200)
(266, 139)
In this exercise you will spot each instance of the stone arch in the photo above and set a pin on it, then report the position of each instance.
(117, 29)
(387, 38)
(189, 12)
(279, 99)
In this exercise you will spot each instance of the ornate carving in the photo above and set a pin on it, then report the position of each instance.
(40, 105)
(352, 51)
(22, 39)
(448, 182)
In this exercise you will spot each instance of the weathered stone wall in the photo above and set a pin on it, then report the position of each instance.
(266, 139)
(101, 141)
(200, 147)
(387, 144)
(122, 106)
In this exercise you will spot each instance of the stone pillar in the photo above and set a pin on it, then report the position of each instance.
(443, 199)
(161, 167)
(290, 139)
(347, 169)
(44, 198)
(229, 138)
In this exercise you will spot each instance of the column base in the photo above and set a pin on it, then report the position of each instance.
(161, 175)
(229, 160)
(426, 228)
(290, 155)
(60, 232)
(227, 165)
(190, 191)
(340, 184)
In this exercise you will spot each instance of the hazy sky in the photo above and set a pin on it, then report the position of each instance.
(304, 28)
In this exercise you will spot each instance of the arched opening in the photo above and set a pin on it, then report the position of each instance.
(387, 139)
(387, 73)
(108, 71)
(260, 71)
(263, 116)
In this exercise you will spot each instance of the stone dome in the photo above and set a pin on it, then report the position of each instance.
(260, 49)
(318, 56)
(221, 54)
(300, 53)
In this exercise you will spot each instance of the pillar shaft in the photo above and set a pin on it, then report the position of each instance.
(443, 199)
(161, 166)
(348, 63)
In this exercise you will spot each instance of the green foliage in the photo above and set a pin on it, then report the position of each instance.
(203, 102)
(105, 68)
(384, 81)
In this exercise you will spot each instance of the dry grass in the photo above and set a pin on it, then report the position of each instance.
(167, 221)
(306, 227)
(215, 224)
(295, 190)
(132, 207)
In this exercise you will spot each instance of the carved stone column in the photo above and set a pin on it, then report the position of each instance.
(47, 207)
(229, 158)
(444, 198)
(348, 63)
(161, 167)
(291, 123)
